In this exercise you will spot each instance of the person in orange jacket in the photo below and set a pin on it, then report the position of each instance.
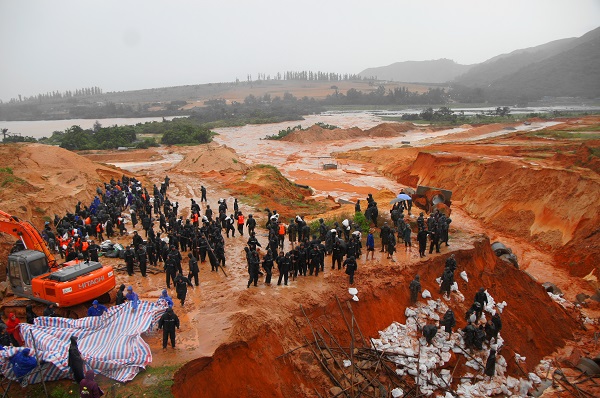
(240, 220)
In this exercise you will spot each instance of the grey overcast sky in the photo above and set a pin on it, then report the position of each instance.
(125, 44)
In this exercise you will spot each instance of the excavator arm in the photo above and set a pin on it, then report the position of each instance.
(27, 233)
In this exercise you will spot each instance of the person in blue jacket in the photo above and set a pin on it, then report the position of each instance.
(165, 297)
(96, 309)
(370, 245)
(22, 363)
(132, 297)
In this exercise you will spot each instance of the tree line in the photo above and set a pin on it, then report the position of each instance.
(308, 76)
(181, 131)
(52, 95)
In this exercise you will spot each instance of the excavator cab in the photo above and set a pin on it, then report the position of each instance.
(23, 266)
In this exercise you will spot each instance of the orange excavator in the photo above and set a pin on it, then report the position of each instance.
(34, 273)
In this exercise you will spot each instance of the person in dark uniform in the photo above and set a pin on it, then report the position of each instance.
(351, 267)
(142, 259)
(253, 267)
(429, 331)
(422, 239)
(203, 191)
(481, 297)
(434, 236)
(337, 254)
(250, 223)
(181, 284)
(170, 271)
(283, 264)
(384, 236)
(447, 282)
(137, 240)
(415, 289)
(93, 251)
(168, 322)
(448, 321)
(469, 333)
(490, 364)
(29, 314)
(497, 323)
(267, 265)
(193, 263)
(120, 295)
(75, 360)
(129, 260)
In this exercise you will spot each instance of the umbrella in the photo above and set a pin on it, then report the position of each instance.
(401, 198)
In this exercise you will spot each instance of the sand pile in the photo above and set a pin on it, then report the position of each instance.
(40, 180)
(390, 129)
(270, 189)
(316, 133)
(210, 157)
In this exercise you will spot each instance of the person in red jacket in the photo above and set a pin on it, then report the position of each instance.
(12, 328)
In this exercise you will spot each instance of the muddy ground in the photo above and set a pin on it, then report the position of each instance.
(537, 195)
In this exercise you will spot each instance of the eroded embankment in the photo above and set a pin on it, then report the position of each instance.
(553, 208)
(534, 326)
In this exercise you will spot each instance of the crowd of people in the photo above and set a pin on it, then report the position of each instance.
(167, 234)
(477, 335)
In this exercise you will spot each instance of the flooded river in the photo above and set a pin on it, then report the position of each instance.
(45, 128)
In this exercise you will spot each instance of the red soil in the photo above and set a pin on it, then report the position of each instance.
(383, 298)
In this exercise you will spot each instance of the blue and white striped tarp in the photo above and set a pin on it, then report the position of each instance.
(110, 344)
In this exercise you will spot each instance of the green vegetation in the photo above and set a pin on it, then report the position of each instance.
(326, 126)
(566, 134)
(397, 96)
(575, 132)
(283, 133)
(356, 219)
(177, 131)
(7, 177)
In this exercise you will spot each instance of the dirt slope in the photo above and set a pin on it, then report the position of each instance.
(383, 298)
(46, 180)
(210, 157)
(544, 192)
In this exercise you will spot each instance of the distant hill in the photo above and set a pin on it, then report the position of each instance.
(434, 71)
(572, 73)
(561, 68)
(483, 74)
